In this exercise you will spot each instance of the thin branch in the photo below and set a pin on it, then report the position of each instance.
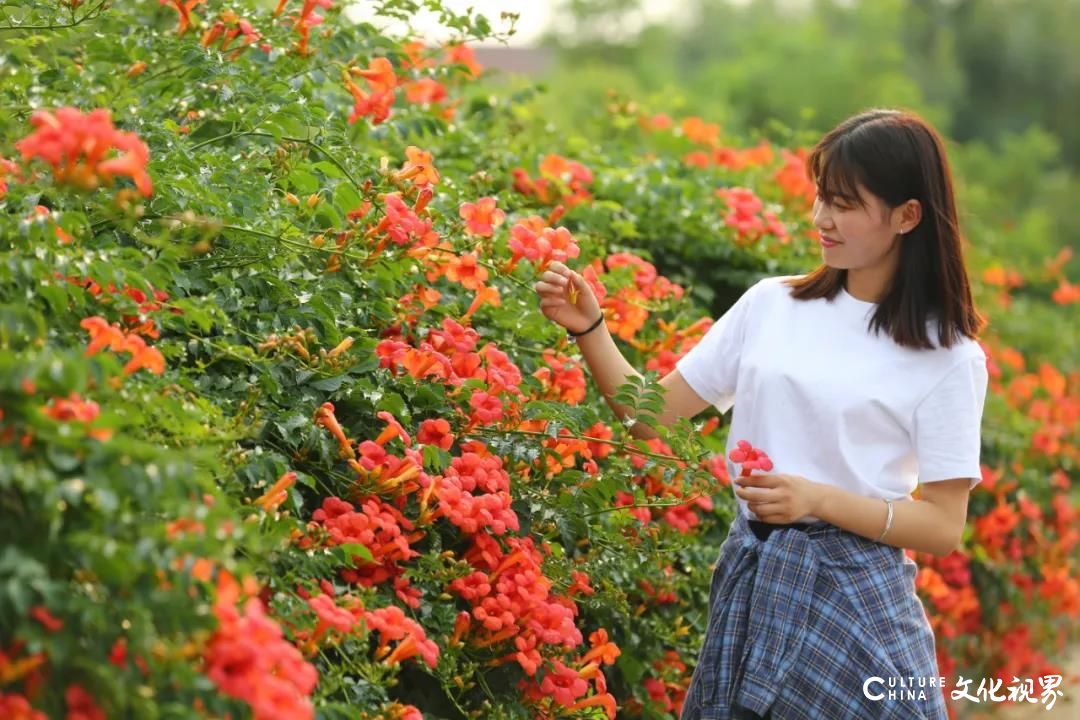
(257, 133)
(618, 444)
(679, 502)
(90, 14)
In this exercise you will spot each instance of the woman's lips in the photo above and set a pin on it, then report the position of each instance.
(827, 242)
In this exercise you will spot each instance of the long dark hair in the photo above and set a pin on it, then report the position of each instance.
(897, 156)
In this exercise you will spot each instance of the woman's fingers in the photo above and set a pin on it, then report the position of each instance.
(553, 277)
(548, 288)
(560, 271)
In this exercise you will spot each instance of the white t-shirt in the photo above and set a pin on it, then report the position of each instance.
(831, 401)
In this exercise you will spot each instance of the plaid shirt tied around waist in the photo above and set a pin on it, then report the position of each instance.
(800, 620)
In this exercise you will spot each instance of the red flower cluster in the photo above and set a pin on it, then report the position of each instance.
(228, 27)
(419, 168)
(377, 101)
(392, 625)
(567, 686)
(653, 286)
(7, 167)
(1017, 655)
(346, 618)
(750, 458)
(747, 215)
(793, 178)
(183, 9)
(626, 309)
(668, 687)
(994, 531)
(482, 217)
(428, 90)
(533, 240)
(957, 609)
(103, 335)
(665, 593)
(306, 19)
(28, 669)
(379, 527)
(718, 468)
(118, 656)
(76, 146)
(742, 158)
(74, 408)
(435, 431)
(449, 355)
(563, 379)
(402, 225)
(248, 658)
(329, 616)
(460, 54)
(16, 707)
(700, 132)
(397, 711)
(565, 449)
(731, 158)
(655, 122)
(511, 599)
(49, 621)
(683, 516)
(561, 180)
(81, 705)
(474, 493)
(131, 323)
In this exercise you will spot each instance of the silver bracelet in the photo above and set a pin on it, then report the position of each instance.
(888, 520)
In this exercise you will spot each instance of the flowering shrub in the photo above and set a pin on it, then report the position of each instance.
(282, 431)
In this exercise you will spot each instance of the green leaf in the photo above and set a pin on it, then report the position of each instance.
(329, 384)
(347, 552)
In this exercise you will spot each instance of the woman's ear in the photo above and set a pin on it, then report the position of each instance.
(910, 214)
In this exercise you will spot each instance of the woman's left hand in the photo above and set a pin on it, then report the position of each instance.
(779, 498)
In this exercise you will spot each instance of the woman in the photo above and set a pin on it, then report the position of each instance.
(861, 380)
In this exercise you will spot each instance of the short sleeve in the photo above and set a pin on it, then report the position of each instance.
(948, 424)
(712, 366)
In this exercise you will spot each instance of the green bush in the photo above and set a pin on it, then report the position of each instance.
(283, 430)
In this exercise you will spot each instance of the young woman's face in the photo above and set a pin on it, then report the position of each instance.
(866, 235)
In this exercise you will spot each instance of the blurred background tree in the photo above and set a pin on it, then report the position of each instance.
(979, 69)
(999, 78)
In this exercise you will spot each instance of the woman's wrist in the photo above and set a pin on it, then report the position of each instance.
(598, 323)
(819, 498)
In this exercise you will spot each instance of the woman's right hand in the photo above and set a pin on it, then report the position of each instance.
(566, 298)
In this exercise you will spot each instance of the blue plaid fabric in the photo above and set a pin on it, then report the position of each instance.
(799, 621)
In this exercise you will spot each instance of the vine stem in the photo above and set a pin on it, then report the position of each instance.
(259, 133)
(619, 444)
(682, 501)
(90, 14)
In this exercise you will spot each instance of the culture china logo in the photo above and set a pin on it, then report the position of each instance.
(1044, 689)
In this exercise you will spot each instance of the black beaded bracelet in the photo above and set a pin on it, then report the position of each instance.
(593, 327)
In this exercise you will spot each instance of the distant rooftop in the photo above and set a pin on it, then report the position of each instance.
(515, 60)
